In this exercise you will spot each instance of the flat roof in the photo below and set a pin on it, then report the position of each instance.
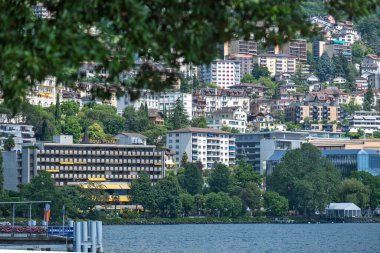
(199, 130)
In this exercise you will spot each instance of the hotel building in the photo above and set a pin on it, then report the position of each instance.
(76, 164)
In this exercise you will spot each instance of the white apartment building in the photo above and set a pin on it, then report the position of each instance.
(368, 121)
(246, 63)
(149, 98)
(223, 73)
(202, 144)
(21, 134)
(349, 35)
(370, 64)
(44, 93)
(211, 100)
(167, 101)
(160, 101)
(277, 63)
(232, 117)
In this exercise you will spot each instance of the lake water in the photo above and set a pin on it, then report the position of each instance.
(243, 238)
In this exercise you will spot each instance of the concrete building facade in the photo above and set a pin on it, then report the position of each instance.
(77, 164)
(277, 63)
(223, 73)
(202, 144)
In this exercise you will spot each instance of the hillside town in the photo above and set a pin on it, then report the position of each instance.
(248, 109)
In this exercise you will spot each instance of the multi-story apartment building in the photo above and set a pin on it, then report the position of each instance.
(277, 63)
(21, 134)
(41, 11)
(246, 63)
(256, 148)
(338, 47)
(299, 112)
(370, 64)
(247, 47)
(223, 73)
(368, 121)
(349, 36)
(202, 144)
(167, 102)
(318, 48)
(164, 101)
(207, 101)
(295, 48)
(147, 97)
(44, 93)
(71, 163)
(232, 117)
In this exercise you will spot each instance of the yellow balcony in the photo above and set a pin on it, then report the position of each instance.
(96, 179)
(66, 163)
(53, 171)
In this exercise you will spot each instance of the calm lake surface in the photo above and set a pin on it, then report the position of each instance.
(243, 238)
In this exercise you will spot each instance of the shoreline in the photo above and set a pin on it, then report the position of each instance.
(204, 221)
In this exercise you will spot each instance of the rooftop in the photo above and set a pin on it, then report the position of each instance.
(198, 130)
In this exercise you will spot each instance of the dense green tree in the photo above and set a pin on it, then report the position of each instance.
(306, 179)
(142, 192)
(42, 121)
(258, 71)
(244, 174)
(192, 179)
(358, 52)
(154, 135)
(72, 127)
(369, 29)
(268, 83)
(373, 183)
(368, 99)
(178, 118)
(187, 203)
(297, 78)
(42, 187)
(185, 85)
(220, 178)
(237, 206)
(352, 190)
(96, 132)
(186, 31)
(57, 112)
(70, 108)
(199, 122)
(248, 78)
(221, 204)
(325, 68)
(251, 197)
(213, 203)
(184, 158)
(114, 125)
(106, 116)
(275, 204)
(351, 107)
(9, 144)
(168, 196)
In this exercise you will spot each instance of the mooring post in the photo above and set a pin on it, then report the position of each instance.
(99, 235)
(13, 218)
(78, 236)
(30, 214)
(93, 236)
(85, 236)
